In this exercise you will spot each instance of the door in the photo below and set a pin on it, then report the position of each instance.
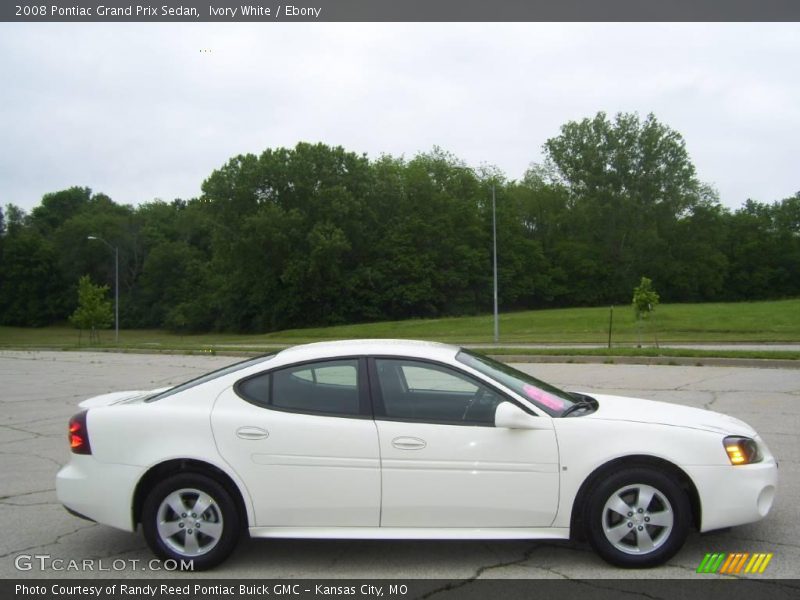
(303, 441)
(443, 462)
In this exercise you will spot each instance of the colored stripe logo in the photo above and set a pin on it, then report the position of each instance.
(736, 563)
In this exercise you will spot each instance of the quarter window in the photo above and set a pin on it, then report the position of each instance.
(420, 391)
(255, 389)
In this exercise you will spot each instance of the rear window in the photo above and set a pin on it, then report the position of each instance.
(211, 376)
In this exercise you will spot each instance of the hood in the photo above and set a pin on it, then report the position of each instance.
(118, 398)
(619, 408)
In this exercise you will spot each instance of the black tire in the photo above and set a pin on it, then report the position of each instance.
(206, 548)
(649, 536)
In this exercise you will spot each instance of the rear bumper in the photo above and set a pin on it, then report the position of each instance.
(97, 491)
(735, 495)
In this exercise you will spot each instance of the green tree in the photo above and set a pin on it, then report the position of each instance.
(94, 309)
(435, 253)
(315, 235)
(16, 219)
(549, 256)
(764, 250)
(690, 262)
(292, 233)
(172, 287)
(31, 281)
(645, 300)
(628, 180)
(56, 208)
(2, 236)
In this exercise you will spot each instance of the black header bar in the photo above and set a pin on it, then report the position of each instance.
(223, 11)
(180, 587)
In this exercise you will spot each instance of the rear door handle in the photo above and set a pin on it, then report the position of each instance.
(252, 433)
(408, 443)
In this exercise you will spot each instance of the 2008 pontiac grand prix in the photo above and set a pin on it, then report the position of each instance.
(390, 439)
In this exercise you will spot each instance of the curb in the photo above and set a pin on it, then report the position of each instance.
(671, 361)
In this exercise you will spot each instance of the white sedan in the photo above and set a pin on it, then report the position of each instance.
(389, 439)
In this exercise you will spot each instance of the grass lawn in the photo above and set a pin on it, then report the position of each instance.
(774, 321)
(777, 321)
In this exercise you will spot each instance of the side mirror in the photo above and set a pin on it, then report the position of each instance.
(511, 416)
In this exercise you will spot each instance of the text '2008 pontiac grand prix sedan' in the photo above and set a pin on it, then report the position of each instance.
(389, 439)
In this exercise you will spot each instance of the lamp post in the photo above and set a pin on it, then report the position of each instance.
(494, 259)
(116, 284)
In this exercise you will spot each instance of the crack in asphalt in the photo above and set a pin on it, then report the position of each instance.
(681, 567)
(8, 500)
(21, 430)
(594, 584)
(115, 554)
(714, 398)
(598, 586)
(20, 495)
(26, 439)
(459, 584)
(27, 504)
(525, 557)
(39, 420)
(33, 454)
(685, 386)
(57, 540)
(768, 542)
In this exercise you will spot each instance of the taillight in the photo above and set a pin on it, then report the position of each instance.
(79, 434)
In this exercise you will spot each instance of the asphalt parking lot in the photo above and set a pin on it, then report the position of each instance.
(40, 391)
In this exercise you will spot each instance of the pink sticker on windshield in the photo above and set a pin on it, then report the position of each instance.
(543, 397)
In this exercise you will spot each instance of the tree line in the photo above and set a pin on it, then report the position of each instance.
(316, 235)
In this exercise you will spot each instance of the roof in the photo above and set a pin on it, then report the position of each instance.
(413, 348)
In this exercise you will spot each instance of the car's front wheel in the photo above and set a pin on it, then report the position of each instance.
(637, 517)
(191, 517)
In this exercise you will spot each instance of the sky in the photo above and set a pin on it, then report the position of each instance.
(146, 111)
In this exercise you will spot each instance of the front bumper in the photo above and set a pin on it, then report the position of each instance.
(99, 492)
(735, 495)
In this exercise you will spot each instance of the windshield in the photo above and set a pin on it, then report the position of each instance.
(547, 397)
(212, 375)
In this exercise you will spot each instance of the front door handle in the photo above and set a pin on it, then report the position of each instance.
(408, 443)
(252, 433)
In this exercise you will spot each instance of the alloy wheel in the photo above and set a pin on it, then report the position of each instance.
(637, 519)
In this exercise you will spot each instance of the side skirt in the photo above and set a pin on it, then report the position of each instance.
(413, 533)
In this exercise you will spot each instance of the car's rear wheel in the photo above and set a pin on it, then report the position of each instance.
(191, 517)
(637, 517)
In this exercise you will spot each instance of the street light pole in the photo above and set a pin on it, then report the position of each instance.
(116, 295)
(494, 258)
(116, 284)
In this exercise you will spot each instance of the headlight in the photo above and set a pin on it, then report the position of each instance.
(741, 450)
